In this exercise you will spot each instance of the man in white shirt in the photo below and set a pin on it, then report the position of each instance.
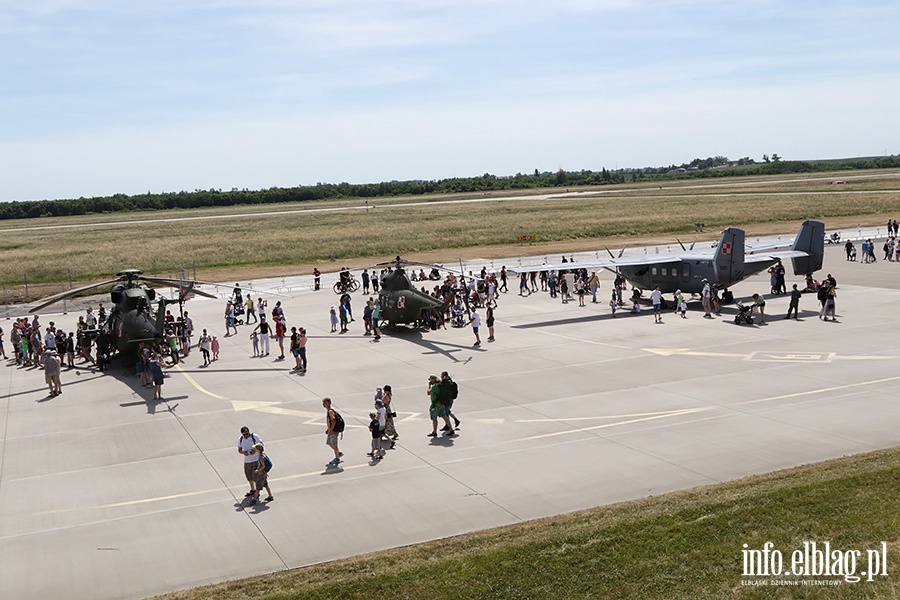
(246, 445)
(656, 298)
(706, 299)
(475, 321)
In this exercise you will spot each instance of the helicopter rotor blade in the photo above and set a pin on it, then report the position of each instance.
(63, 295)
(186, 282)
(181, 284)
(694, 242)
(681, 244)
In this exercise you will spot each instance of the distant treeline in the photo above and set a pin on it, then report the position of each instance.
(698, 168)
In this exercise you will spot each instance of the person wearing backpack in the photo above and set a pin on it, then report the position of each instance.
(261, 474)
(334, 426)
(437, 409)
(247, 448)
(449, 393)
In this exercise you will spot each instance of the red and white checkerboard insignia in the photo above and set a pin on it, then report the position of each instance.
(726, 248)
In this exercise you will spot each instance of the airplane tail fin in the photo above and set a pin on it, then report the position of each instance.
(729, 257)
(811, 239)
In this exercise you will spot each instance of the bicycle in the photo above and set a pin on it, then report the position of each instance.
(344, 286)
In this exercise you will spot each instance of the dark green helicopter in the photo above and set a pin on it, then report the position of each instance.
(401, 303)
(132, 318)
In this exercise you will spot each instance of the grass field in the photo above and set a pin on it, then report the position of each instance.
(681, 545)
(258, 243)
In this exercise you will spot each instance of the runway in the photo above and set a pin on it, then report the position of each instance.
(106, 494)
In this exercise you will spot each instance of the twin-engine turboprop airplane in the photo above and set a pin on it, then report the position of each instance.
(729, 263)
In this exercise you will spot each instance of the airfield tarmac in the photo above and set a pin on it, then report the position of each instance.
(107, 494)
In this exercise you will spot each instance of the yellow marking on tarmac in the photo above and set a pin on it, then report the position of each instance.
(420, 417)
(647, 414)
(819, 391)
(197, 385)
(675, 413)
(275, 409)
(654, 416)
(639, 418)
(184, 494)
(689, 352)
(766, 356)
(578, 339)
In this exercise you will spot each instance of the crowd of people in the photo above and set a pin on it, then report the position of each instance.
(49, 348)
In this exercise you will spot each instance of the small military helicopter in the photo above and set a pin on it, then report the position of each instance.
(132, 318)
(401, 303)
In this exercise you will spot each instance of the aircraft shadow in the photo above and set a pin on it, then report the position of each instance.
(446, 349)
(67, 381)
(622, 313)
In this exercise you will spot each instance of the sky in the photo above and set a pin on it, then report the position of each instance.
(99, 97)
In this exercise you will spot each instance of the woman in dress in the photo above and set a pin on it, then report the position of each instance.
(389, 429)
(156, 373)
(490, 322)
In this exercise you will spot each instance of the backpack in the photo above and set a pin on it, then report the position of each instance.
(448, 392)
(268, 463)
(338, 422)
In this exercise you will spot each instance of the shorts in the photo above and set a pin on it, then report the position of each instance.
(261, 478)
(656, 307)
(229, 321)
(295, 352)
(437, 410)
(474, 330)
(331, 440)
(250, 470)
(376, 444)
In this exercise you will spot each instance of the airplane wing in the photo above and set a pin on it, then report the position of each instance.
(608, 263)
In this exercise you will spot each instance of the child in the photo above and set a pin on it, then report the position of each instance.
(344, 318)
(377, 453)
(261, 475)
(215, 348)
(255, 339)
(70, 350)
(680, 304)
(381, 415)
(334, 319)
(613, 304)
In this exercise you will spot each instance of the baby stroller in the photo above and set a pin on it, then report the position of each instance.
(745, 314)
(239, 314)
(456, 313)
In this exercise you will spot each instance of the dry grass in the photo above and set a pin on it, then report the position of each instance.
(262, 244)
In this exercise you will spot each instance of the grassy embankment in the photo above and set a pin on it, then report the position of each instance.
(682, 545)
(267, 245)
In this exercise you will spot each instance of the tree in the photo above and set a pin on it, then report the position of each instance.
(776, 158)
